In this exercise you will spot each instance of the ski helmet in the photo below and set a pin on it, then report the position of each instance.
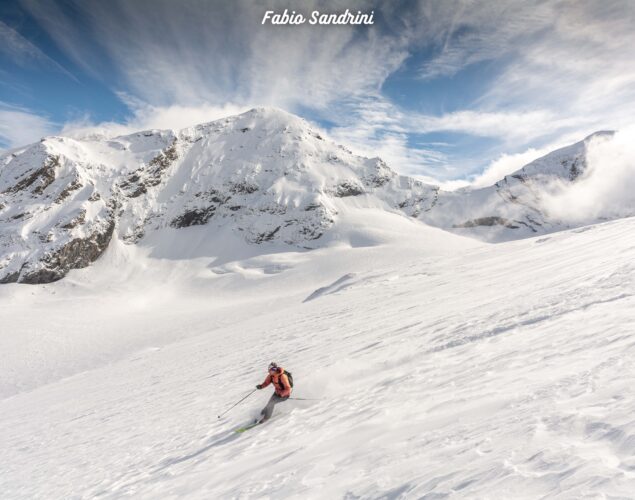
(273, 366)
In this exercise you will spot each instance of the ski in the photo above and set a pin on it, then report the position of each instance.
(246, 428)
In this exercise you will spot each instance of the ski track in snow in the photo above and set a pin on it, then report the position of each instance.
(495, 372)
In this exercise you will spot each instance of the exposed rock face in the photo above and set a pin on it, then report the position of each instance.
(265, 175)
(59, 209)
(77, 253)
(488, 221)
(38, 179)
(379, 175)
(63, 231)
(194, 217)
(348, 188)
(151, 175)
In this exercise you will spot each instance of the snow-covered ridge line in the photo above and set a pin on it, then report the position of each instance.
(265, 174)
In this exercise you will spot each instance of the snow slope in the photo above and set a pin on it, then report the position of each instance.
(443, 368)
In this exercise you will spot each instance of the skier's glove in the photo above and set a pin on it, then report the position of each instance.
(259, 386)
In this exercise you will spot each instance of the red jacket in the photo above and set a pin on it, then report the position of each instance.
(280, 383)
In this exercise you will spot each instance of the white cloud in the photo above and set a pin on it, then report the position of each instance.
(147, 117)
(506, 164)
(567, 66)
(605, 190)
(20, 126)
(393, 148)
(375, 127)
(378, 128)
(579, 66)
(516, 126)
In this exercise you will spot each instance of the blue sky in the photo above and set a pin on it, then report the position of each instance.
(453, 90)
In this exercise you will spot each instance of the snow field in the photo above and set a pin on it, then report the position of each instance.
(491, 372)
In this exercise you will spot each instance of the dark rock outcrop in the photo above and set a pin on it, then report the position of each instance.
(194, 217)
(348, 188)
(76, 254)
(40, 179)
(488, 221)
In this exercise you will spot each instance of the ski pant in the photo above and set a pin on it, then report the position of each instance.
(267, 411)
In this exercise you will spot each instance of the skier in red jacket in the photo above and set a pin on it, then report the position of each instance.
(280, 381)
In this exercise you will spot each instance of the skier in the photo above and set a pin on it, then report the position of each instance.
(280, 381)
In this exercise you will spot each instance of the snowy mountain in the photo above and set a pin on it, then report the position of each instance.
(264, 175)
(513, 207)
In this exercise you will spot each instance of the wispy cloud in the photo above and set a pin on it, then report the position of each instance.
(576, 62)
(20, 126)
(146, 117)
(376, 125)
(558, 69)
(216, 52)
(465, 32)
(25, 53)
(506, 164)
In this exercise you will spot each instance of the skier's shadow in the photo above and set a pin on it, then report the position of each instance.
(168, 462)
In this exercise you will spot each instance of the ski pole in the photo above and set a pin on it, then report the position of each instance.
(306, 399)
(236, 404)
